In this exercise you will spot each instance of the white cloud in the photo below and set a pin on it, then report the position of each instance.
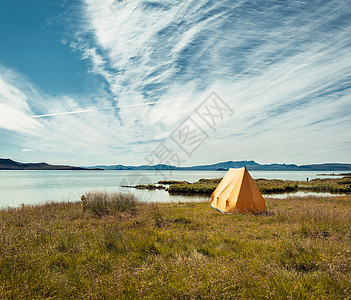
(27, 150)
(14, 109)
(284, 69)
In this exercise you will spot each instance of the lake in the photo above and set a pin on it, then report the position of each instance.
(36, 187)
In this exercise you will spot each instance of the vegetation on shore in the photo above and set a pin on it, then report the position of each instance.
(339, 185)
(172, 182)
(268, 186)
(146, 187)
(150, 187)
(335, 174)
(120, 248)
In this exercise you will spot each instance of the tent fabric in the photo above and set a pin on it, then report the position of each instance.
(238, 193)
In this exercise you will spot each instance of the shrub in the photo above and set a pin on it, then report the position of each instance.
(102, 203)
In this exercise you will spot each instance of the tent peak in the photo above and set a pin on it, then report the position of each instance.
(237, 169)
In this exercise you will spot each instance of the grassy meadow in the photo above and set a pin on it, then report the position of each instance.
(120, 248)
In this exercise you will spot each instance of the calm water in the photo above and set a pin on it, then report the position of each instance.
(35, 187)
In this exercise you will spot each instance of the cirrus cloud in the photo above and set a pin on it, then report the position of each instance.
(283, 67)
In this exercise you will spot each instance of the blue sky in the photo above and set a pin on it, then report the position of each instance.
(107, 82)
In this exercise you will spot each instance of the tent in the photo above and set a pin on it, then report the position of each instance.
(238, 192)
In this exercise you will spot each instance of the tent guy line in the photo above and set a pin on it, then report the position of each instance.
(101, 109)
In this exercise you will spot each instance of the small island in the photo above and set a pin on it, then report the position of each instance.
(266, 186)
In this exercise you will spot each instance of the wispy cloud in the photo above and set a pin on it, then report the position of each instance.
(99, 109)
(67, 132)
(27, 150)
(14, 108)
(283, 67)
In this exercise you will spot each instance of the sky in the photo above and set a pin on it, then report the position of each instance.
(188, 82)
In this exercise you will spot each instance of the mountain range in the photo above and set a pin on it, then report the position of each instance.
(8, 164)
(250, 165)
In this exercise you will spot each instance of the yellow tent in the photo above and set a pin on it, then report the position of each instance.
(238, 192)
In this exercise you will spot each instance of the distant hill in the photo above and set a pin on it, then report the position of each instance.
(250, 165)
(142, 167)
(9, 164)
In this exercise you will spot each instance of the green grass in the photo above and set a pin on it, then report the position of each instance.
(301, 249)
(339, 185)
(192, 188)
(269, 186)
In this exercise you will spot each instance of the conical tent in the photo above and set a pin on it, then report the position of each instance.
(238, 192)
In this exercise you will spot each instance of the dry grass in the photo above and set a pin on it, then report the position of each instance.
(102, 203)
(301, 249)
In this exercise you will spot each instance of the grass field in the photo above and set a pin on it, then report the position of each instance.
(301, 249)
